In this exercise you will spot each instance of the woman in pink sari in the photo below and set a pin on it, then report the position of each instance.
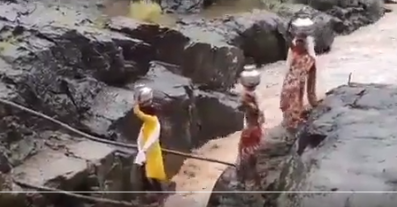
(301, 61)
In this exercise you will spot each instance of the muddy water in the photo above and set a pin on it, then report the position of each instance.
(222, 7)
(369, 54)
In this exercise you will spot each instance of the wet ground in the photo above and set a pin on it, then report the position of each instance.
(369, 54)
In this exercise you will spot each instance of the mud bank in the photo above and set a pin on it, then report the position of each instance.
(343, 148)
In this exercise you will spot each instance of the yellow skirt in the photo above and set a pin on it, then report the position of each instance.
(154, 163)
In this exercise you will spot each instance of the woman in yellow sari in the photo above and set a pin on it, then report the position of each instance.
(149, 150)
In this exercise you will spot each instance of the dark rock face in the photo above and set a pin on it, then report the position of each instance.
(349, 143)
(83, 76)
(186, 114)
(207, 60)
(256, 34)
(59, 70)
(351, 14)
(212, 52)
(346, 146)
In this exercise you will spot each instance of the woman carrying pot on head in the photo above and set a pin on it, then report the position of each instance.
(250, 79)
(301, 63)
(253, 121)
(149, 150)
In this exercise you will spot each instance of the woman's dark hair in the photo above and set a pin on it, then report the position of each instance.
(148, 109)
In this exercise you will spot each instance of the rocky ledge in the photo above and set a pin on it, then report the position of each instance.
(349, 15)
(259, 32)
(345, 147)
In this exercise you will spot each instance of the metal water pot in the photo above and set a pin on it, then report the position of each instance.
(302, 25)
(143, 94)
(250, 77)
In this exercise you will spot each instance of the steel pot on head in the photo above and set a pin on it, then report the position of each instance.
(250, 77)
(143, 94)
(302, 27)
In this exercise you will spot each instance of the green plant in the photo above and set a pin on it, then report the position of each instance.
(145, 11)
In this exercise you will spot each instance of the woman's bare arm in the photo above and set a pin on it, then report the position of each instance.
(141, 115)
(289, 58)
(311, 86)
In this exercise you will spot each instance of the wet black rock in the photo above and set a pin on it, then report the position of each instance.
(324, 34)
(212, 52)
(351, 14)
(59, 69)
(348, 145)
(108, 57)
(77, 74)
(170, 98)
(186, 113)
(203, 56)
(16, 133)
(259, 34)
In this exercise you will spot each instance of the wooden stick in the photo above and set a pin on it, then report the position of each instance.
(349, 79)
(97, 139)
(83, 197)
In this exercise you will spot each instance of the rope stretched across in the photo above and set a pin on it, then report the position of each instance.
(97, 139)
(79, 196)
